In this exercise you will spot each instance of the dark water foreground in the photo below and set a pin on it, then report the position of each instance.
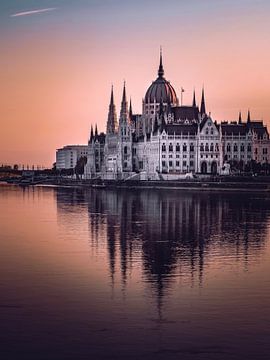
(145, 274)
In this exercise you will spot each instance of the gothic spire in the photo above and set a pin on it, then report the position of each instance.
(248, 117)
(203, 111)
(240, 118)
(91, 133)
(130, 109)
(112, 118)
(160, 69)
(96, 131)
(124, 105)
(194, 99)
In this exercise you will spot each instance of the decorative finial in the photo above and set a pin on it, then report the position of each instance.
(160, 69)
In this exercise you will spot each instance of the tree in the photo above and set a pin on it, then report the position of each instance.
(79, 168)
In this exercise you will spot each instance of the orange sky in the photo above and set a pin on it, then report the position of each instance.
(56, 67)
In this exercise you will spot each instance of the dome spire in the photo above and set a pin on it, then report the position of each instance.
(160, 69)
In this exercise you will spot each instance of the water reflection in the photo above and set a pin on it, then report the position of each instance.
(172, 235)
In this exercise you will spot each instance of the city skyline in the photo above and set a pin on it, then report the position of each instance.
(61, 57)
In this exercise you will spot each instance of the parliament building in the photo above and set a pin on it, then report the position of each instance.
(170, 139)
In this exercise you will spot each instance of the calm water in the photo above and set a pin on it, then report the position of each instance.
(133, 274)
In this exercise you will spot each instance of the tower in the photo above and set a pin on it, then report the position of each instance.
(194, 99)
(125, 135)
(202, 110)
(112, 117)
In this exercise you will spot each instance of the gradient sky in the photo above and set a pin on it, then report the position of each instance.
(57, 65)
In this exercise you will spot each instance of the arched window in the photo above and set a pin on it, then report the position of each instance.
(206, 131)
(177, 148)
(125, 150)
(206, 147)
(201, 147)
(249, 148)
(163, 147)
(191, 147)
(212, 147)
(184, 147)
(228, 147)
(217, 147)
(242, 148)
(212, 131)
(235, 148)
(170, 147)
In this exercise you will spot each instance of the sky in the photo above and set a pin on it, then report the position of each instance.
(59, 59)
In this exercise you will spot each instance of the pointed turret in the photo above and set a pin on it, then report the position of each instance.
(194, 99)
(91, 134)
(248, 117)
(203, 110)
(124, 106)
(96, 131)
(112, 117)
(240, 118)
(160, 69)
(130, 109)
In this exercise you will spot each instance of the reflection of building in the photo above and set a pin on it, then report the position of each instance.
(167, 235)
(172, 229)
(67, 157)
(171, 138)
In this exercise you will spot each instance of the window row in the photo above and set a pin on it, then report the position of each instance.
(177, 147)
(206, 147)
(177, 163)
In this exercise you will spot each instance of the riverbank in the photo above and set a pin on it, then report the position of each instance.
(261, 184)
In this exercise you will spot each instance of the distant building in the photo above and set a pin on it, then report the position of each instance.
(66, 157)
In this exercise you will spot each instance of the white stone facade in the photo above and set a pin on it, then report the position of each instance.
(67, 157)
(171, 139)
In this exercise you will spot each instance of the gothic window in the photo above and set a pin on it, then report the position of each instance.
(163, 163)
(206, 131)
(191, 147)
(242, 148)
(170, 163)
(201, 147)
(212, 147)
(125, 150)
(184, 163)
(217, 147)
(191, 163)
(249, 148)
(235, 148)
(177, 163)
(163, 147)
(170, 147)
(184, 147)
(228, 147)
(206, 147)
(177, 148)
(212, 131)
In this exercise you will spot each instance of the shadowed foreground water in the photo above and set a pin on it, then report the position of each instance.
(94, 274)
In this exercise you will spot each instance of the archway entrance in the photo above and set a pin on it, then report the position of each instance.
(203, 167)
(214, 168)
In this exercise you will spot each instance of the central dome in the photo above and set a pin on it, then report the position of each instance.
(161, 89)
